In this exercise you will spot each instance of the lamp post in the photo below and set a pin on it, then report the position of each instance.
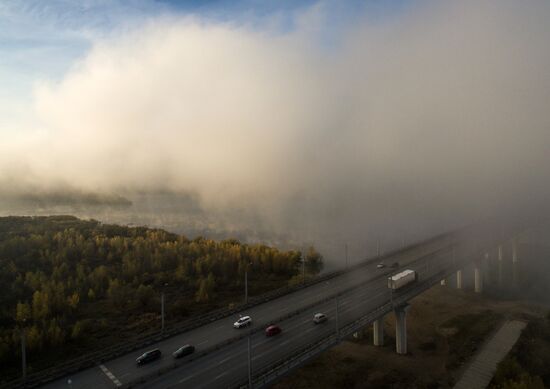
(162, 308)
(337, 320)
(346, 255)
(249, 362)
(246, 282)
(304, 269)
(23, 352)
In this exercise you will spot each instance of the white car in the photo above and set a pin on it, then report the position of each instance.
(319, 318)
(243, 322)
(380, 266)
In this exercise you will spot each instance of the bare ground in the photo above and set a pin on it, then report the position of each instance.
(445, 328)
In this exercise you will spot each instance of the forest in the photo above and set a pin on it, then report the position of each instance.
(77, 285)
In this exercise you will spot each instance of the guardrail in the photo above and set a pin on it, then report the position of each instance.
(147, 339)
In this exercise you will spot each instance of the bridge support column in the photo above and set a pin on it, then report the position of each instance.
(478, 278)
(401, 329)
(499, 265)
(459, 279)
(378, 332)
(514, 263)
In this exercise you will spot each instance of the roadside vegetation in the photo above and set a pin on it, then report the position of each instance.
(75, 286)
(446, 328)
(467, 335)
(528, 364)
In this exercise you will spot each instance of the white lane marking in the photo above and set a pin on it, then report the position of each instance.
(186, 378)
(220, 376)
(224, 360)
(201, 343)
(110, 375)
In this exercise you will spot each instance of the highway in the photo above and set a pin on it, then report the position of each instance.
(229, 363)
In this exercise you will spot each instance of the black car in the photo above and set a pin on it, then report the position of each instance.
(183, 351)
(394, 265)
(149, 356)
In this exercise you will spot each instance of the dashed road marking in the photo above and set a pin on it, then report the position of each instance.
(224, 360)
(110, 375)
(206, 341)
(186, 378)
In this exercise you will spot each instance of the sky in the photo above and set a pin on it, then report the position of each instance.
(40, 41)
(322, 120)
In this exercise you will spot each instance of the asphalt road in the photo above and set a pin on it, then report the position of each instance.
(230, 364)
(223, 366)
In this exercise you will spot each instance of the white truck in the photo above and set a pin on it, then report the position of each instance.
(401, 279)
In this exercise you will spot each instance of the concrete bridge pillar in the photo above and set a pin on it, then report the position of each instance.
(459, 279)
(378, 331)
(499, 265)
(478, 278)
(401, 329)
(514, 263)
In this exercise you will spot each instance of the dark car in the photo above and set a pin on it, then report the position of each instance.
(149, 356)
(183, 351)
(272, 330)
(394, 265)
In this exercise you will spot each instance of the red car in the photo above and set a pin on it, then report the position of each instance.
(272, 330)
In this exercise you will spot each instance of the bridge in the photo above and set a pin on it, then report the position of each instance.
(352, 299)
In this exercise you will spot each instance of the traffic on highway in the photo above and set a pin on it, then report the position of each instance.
(274, 327)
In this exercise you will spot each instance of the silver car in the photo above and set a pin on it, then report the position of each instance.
(319, 318)
(243, 322)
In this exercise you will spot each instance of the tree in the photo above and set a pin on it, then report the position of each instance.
(40, 305)
(73, 300)
(34, 338)
(206, 289)
(145, 295)
(55, 335)
(23, 312)
(117, 293)
(314, 261)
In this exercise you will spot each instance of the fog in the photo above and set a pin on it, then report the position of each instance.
(395, 128)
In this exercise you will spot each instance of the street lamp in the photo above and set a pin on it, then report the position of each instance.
(246, 282)
(346, 255)
(162, 307)
(249, 361)
(337, 320)
(304, 267)
(23, 352)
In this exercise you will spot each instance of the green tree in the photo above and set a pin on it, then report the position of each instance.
(145, 295)
(73, 300)
(23, 312)
(206, 289)
(40, 305)
(314, 261)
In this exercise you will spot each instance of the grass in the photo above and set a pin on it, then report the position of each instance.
(528, 363)
(468, 331)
